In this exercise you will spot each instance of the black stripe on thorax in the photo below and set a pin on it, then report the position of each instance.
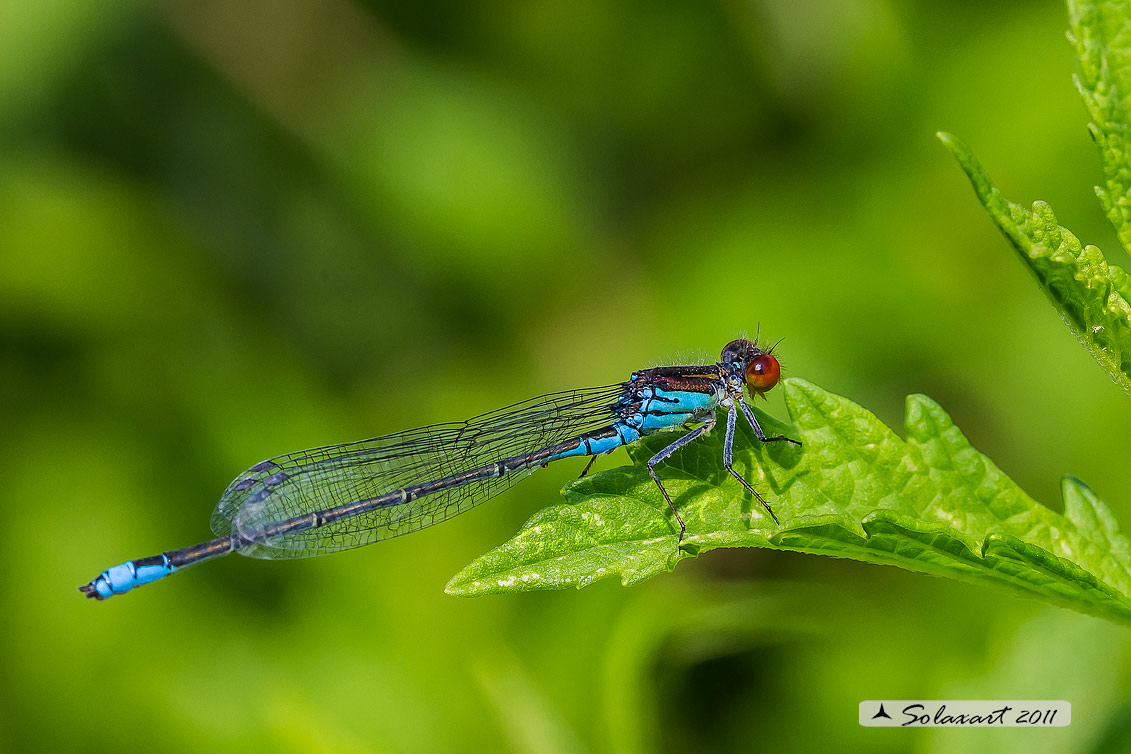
(695, 370)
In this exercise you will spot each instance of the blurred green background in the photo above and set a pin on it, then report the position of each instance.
(232, 230)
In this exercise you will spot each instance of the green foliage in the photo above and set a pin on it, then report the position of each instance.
(225, 239)
(931, 503)
(1104, 84)
(855, 490)
(1091, 295)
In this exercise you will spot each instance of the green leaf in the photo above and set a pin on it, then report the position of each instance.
(1099, 33)
(930, 503)
(1091, 295)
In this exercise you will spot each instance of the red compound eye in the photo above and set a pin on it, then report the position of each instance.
(762, 373)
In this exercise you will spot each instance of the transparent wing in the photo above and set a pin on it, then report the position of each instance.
(310, 481)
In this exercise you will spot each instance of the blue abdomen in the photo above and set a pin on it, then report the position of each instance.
(133, 573)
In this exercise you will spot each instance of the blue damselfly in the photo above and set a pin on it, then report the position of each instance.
(338, 497)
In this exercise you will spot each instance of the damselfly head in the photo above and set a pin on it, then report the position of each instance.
(760, 369)
(762, 373)
(738, 351)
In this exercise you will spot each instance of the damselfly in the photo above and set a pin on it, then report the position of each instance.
(342, 496)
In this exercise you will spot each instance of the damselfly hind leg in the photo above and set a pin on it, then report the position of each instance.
(728, 460)
(689, 437)
(728, 457)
